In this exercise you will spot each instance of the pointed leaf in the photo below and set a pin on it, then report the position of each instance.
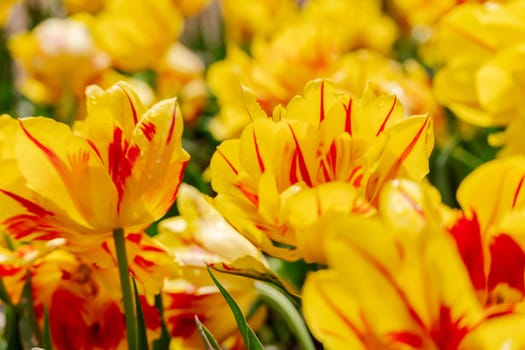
(11, 328)
(207, 337)
(47, 343)
(27, 322)
(3, 293)
(163, 343)
(280, 303)
(142, 336)
(248, 266)
(250, 339)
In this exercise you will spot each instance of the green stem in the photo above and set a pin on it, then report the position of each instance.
(280, 303)
(120, 247)
(467, 158)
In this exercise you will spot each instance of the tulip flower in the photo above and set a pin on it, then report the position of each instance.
(120, 168)
(323, 137)
(398, 281)
(488, 232)
(115, 173)
(476, 50)
(198, 237)
(135, 33)
(59, 59)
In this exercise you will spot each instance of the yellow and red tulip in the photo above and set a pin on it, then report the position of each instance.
(198, 237)
(325, 136)
(489, 232)
(118, 169)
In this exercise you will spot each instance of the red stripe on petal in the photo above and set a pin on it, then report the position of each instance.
(172, 125)
(151, 314)
(382, 127)
(143, 263)
(133, 110)
(407, 150)
(325, 173)
(353, 173)
(52, 156)
(183, 324)
(303, 169)
(121, 159)
(407, 338)
(30, 206)
(321, 103)
(259, 158)
(10, 270)
(94, 148)
(332, 157)
(235, 171)
(386, 274)
(447, 332)
(25, 225)
(149, 130)
(340, 314)
(357, 180)
(507, 264)
(134, 237)
(517, 193)
(348, 119)
(252, 197)
(151, 248)
(415, 206)
(467, 235)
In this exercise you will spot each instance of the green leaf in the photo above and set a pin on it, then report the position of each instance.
(250, 339)
(249, 266)
(47, 343)
(27, 322)
(142, 336)
(163, 343)
(11, 328)
(207, 337)
(3, 293)
(280, 303)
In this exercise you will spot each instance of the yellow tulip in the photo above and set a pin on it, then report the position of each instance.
(181, 73)
(79, 289)
(489, 232)
(5, 10)
(245, 20)
(476, 50)
(414, 13)
(394, 282)
(325, 136)
(198, 237)
(59, 59)
(120, 168)
(276, 75)
(308, 46)
(135, 33)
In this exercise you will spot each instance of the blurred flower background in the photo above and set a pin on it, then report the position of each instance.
(295, 174)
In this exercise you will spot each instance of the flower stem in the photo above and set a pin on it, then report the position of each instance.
(120, 247)
(281, 304)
